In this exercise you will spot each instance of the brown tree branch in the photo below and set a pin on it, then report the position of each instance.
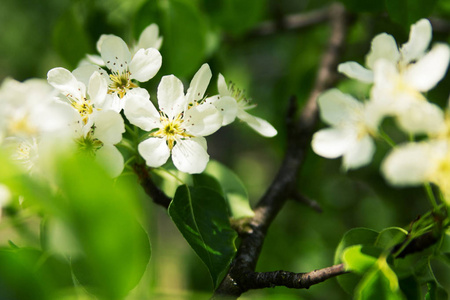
(149, 186)
(259, 280)
(299, 135)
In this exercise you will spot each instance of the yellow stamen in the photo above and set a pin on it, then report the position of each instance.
(171, 130)
(121, 83)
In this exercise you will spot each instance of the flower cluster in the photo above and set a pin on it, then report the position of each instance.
(399, 78)
(86, 109)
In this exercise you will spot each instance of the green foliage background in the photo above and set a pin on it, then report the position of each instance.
(36, 36)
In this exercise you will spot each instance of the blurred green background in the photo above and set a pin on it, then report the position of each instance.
(36, 36)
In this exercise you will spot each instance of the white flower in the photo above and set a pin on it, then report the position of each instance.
(400, 76)
(418, 163)
(86, 103)
(232, 103)
(149, 38)
(94, 127)
(180, 125)
(351, 133)
(99, 139)
(123, 69)
(410, 54)
(27, 109)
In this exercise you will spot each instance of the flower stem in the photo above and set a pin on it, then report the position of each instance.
(431, 196)
(386, 138)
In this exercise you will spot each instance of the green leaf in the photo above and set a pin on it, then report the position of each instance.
(201, 216)
(184, 29)
(355, 236)
(102, 216)
(70, 38)
(364, 6)
(359, 258)
(28, 273)
(380, 282)
(406, 12)
(98, 216)
(233, 189)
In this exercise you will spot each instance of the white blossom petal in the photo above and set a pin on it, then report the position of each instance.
(332, 142)
(97, 89)
(419, 40)
(421, 117)
(189, 156)
(65, 82)
(109, 127)
(408, 164)
(145, 64)
(430, 69)
(83, 73)
(111, 159)
(337, 107)
(226, 105)
(115, 54)
(199, 84)
(155, 151)
(202, 120)
(383, 46)
(100, 41)
(261, 126)
(149, 38)
(354, 70)
(359, 154)
(222, 86)
(170, 94)
(140, 111)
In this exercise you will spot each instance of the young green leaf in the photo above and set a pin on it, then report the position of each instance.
(359, 259)
(201, 216)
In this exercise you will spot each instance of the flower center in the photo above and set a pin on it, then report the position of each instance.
(171, 130)
(84, 108)
(88, 144)
(121, 83)
(239, 95)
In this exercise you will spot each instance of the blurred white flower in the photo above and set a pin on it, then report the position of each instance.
(180, 125)
(352, 129)
(232, 103)
(385, 47)
(418, 163)
(28, 109)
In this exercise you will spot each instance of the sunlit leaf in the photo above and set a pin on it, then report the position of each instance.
(380, 282)
(201, 216)
(234, 190)
(355, 236)
(359, 259)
